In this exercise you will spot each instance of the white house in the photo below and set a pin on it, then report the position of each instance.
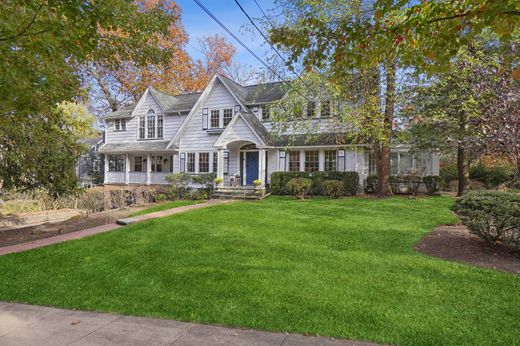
(227, 130)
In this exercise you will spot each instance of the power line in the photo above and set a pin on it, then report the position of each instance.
(268, 42)
(263, 13)
(208, 12)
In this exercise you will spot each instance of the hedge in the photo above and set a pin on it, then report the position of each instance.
(492, 215)
(350, 181)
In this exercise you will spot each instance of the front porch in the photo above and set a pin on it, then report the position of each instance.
(138, 168)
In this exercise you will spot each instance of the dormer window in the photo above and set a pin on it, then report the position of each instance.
(266, 112)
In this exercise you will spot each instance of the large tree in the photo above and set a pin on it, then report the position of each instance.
(355, 35)
(41, 42)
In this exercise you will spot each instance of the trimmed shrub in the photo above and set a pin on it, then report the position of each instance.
(493, 216)
(200, 194)
(432, 183)
(205, 181)
(395, 183)
(179, 185)
(490, 176)
(279, 181)
(350, 181)
(371, 185)
(333, 188)
(299, 187)
(413, 182)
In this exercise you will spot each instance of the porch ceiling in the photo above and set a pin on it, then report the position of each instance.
(144, 146)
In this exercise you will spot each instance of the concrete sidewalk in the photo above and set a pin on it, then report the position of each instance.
(22, 324)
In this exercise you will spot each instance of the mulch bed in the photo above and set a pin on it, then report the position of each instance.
(26, 234)
(458, 244)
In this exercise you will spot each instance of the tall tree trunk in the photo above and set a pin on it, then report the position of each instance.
(462, 170)
(383, 181)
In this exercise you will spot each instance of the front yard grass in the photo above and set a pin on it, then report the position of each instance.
(164, 206)
(343, 268)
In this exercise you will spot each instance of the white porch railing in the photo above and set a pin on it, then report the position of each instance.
(115, 177)
(158, 177)
(137, 178)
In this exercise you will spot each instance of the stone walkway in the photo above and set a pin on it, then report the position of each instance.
(103, 228)
(22, 324)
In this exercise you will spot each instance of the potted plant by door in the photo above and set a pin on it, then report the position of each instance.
(218, 181)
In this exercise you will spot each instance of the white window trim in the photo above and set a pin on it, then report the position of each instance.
(156, 132)
(220, 117)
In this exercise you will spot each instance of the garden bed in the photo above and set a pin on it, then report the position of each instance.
(458, 244)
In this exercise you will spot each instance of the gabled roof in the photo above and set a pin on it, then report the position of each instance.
(259, 131)
(256, 94)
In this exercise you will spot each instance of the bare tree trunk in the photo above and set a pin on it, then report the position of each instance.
(383, 181)
(114, 106)
(462, 171)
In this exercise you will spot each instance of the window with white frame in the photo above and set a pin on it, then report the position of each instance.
(423, 163)
(160, 124)
(120, 125)
(190, 162)
(325, 109)
(266, 112)
(372, 164)
(405, 163)
(116, 163)
(214, 119)
(203, 162)
(157, 163)
(215, 162)
(138, 164)
(330, 160)
(228, 115)
(311, 109)
(394, 163)
(151, 126)
(142, 127)
(312, 161)
(294, 161)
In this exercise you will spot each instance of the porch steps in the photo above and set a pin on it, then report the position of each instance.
(240, 192)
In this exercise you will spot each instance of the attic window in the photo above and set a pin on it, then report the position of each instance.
(120, 125)
(150, 111)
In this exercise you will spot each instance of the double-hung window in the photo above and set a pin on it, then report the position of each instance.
(312, 161)
(294, 161)
(190, 162)
(215, 118)
(157, 163)
(330, 160)
(228, 115)
(203, 162)
(138, 164)
(311, 109)
(151, 126)
(120, 125)
(160, 122)
(266, 112)
(142, 127)
(325, 109)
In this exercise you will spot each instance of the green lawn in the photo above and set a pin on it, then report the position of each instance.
(343, 268)
(164, 206)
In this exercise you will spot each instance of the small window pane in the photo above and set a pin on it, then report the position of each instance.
(190, 163)
(203, 162)
(228, 115)
(215, 118)
(312, 161)
(330, 160)
(123, 124)
(294, 161)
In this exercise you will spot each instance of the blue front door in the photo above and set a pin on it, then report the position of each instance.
(251, 166)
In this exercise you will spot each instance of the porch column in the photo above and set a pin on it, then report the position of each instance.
(148, 169)
(127, 169)
(220, 164)
(105, 175)
(321, 160)
(262, 155)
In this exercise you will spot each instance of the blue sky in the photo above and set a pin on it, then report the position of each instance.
(197, 24)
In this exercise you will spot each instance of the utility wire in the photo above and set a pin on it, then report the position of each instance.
(268, 42)
(208, 12)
